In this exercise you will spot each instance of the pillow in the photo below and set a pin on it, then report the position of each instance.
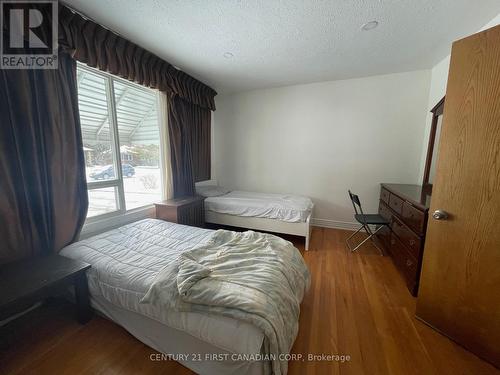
(211, 191)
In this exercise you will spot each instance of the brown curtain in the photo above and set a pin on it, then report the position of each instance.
(189, 135)
(100, 48)
(43, 192)
(201, 143)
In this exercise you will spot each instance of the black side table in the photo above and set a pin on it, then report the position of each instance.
(28, 281)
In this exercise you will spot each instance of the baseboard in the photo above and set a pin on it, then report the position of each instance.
(327, 223)
(335, 224)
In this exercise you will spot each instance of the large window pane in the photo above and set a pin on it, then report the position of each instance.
(102, 201)
(139, 136)
(120, 134)
(94, 118)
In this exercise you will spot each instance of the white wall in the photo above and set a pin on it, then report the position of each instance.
(324, 138)
(439, 79)
(304, 139)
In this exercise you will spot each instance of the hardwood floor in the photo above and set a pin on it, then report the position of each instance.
(358, 306)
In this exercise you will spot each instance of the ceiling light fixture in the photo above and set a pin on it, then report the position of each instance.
(369, 26)
(228, 55)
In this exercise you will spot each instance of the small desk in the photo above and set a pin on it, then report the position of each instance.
(185, 210)
(28, 281)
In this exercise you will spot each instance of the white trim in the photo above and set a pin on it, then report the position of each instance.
(270, 225)
(335, 224)
(104, 216)
(119, 79)
(102, 184)
(115, 142)
(104, 224)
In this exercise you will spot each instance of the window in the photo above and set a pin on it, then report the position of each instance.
(121, 142)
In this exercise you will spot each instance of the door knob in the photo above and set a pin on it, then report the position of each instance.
(440, 215)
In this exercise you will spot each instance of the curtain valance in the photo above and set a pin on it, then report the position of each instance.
(96, 46)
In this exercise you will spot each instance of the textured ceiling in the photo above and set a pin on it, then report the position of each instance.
(277, 43)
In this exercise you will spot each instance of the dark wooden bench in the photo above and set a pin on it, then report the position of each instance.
(28, 281)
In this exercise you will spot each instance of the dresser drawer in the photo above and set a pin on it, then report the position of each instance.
(384, 234)
(413, 217)
(384, 211)
(407, 237)
(396, 203)
(384, 195)
(406, 263)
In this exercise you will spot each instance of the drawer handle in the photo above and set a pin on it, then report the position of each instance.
(412, 242)
(409, 262)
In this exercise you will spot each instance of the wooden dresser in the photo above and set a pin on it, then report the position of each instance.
(406, 207)
(186, 210)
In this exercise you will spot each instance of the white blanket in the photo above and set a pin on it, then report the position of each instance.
(253, 277)
(126, 260)
(290, 208)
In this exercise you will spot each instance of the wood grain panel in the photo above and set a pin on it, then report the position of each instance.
(187, 211)
(384, 195)
(396, 203)
(460, 280)
(414, 217)
(410, 239)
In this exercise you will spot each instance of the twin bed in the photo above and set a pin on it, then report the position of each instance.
(233, 302)
(277, 213)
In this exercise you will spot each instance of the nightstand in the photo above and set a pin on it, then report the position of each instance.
(185, 210)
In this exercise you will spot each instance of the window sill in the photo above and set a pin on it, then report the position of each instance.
(99, 225)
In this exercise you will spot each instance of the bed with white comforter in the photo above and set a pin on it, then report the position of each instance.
(283, 207)
(277, 213)
(125, 264)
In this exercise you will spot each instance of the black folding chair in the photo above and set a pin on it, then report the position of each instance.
(366, 220)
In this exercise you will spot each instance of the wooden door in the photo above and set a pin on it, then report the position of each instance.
(460, 280)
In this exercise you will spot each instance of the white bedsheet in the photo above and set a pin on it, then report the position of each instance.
(125, 262)
(290, 208)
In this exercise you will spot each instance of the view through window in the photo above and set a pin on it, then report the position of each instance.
(120, 131)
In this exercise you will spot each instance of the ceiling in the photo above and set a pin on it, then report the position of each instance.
(277, 43)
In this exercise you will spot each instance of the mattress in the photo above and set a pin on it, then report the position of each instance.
(125, 262)
(203, 358)
(289, 208)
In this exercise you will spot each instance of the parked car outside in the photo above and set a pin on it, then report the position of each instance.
(108, 171)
